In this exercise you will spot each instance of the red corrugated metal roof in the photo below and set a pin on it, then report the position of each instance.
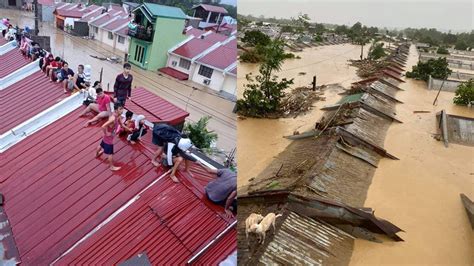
(46, 2)
(92, 15)
(195, 32)
(154, 107)
(234, 71)
(123, 31)
(212, 8)
(73, 13)
(11, 61)
(215, 37)
(26, 98)
(3, 41)
(56, 192)
(169, 222)
(104, 19)
(220, 58)
(117, 23)
(174, 73)
(192, 48)
(232, 44)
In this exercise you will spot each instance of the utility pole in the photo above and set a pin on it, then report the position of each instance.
(35, 4)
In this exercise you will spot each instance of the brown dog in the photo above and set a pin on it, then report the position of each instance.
(253, 219)
(264, 225)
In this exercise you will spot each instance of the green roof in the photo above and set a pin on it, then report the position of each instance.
(165, 11)
(351, 98)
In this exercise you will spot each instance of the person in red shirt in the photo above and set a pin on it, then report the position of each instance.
(53, 66)
(101, 107)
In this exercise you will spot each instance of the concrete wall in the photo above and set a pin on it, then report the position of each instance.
(461, 76)
(176, 58)
(217, 78)
(122, 47)
(5, 3)
(454, 57)
(458, 52)
(105, 37)
(449, 85)
(230, 84)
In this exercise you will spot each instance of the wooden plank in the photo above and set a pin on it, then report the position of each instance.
(379, 113)
(343, 132)
(357, 153)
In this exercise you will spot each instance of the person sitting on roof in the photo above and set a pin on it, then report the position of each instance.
(101, 107)
(140, 129)
(52, 67)
(128, 122)
(10, 35)
(78, 79)
(67, 78)
(223, 190)
(172, 148)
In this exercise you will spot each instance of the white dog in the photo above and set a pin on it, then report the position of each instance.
(253, 219)
(264, 225)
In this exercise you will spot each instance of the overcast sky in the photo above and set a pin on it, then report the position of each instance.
(229, 2)
(457, 15)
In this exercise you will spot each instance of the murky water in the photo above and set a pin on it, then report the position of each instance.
(260, 140)
(420, 192)
(198, 103)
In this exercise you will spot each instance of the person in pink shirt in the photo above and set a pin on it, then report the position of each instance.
(101, 107)
(110, 130)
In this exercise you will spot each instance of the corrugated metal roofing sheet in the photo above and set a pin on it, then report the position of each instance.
(104, 19)
(154, 107)
(92, 15)
(26, 98)
(167, 227)
(215, 37)
(192, 48)
(117, 23)
(11, 61)
(195, 32)
(220, 58)
(212, 8)
(165, 11)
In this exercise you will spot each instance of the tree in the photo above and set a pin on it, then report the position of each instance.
(436, 68)
(464, 95)
(361, 40)
(461, 45)
(255, 37)
(442, 50)
(263, 95)
(199, 134)
(286, 28)
(376, 51)
(342, 29)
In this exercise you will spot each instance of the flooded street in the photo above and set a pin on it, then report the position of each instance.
(420, 192)
(198, 102)
(262, 139)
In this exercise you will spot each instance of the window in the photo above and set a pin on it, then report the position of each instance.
(111, 36)
(184, 63)
(121, 39)
(96, 30)
(205, 71)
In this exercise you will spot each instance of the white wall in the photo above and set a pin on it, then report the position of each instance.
(105, 37)
(70, 21)
(172, 57)
(122, 46)
(230, 84)
(217, 78)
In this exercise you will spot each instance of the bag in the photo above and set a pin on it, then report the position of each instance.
(165, 133)
(86, 102)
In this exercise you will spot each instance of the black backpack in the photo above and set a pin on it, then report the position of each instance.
(166, 133)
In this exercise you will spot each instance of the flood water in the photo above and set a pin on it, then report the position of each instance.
(260, 140)
(420, 192)
(198, 102)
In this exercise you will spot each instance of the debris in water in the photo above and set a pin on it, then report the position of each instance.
(302, 73)
(421, 112)
(469, 206)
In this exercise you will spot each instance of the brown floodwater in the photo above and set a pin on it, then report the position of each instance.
(420, 192)
(260, 140)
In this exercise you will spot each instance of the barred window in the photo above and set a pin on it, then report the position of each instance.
(205, 71)
(111, 36)
(121, 39)
(186, 64)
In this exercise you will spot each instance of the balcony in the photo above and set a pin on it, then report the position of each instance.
(141, 33)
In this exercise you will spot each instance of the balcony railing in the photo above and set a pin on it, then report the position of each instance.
(141, 33)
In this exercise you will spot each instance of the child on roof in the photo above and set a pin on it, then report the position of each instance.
(127, 122)
(109, 129)
(140, 129)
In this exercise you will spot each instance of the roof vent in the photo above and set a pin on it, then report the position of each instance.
(202, 36)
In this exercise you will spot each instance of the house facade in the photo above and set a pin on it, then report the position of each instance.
(158, 29)
(10, 3)
(210, 15)
(206, 58)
